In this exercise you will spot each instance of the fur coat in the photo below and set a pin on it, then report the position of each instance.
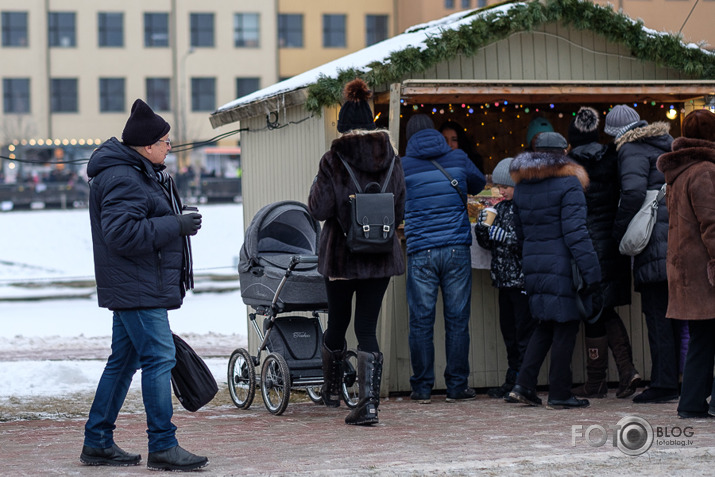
(690, 173)
(369, 154)
(550, 220)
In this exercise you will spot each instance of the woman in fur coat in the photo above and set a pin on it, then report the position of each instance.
(690, 174)
(550, 220)
(369, 153)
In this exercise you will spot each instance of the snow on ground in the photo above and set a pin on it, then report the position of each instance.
(36, 336)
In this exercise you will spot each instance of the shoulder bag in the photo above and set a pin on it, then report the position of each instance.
(641, 225)
(191, 378)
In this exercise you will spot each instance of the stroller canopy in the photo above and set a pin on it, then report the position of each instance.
(277, 232)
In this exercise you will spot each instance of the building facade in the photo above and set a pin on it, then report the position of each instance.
(71, 69)
(316, 32)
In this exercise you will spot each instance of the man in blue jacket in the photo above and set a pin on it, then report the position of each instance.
(142, 264)
(438, 237)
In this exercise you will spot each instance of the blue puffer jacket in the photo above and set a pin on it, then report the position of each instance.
(137, 247)
(435, 215)
(551, 220)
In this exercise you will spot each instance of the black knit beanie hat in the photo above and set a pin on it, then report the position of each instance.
(418, 122)
(584, 127)
(355, 112)
(144, 127)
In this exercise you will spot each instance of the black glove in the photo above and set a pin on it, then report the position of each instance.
(590, 289)
(189, 224)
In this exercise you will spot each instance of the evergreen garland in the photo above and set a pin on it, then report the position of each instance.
(665, 50)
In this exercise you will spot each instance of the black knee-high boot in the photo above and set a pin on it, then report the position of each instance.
(332, 374)
(369, 379)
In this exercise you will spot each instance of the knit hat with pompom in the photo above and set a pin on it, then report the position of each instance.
(355, 112)
(584, 127)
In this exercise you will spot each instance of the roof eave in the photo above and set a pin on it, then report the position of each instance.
(259, 107)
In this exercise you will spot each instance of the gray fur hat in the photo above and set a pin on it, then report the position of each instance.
(620, 119)
(501, 175)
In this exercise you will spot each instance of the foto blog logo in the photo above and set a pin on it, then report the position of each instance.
(632, 435)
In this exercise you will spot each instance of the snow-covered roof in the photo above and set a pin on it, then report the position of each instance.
(415, 37)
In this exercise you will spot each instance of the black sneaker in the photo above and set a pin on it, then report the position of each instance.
(656, 395)
(113, 456)
(175, 458)
(501, 392)
(571, 403)
(421, 398)
(465, 395)
(525, 396)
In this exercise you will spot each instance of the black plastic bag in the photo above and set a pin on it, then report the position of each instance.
(191, 378)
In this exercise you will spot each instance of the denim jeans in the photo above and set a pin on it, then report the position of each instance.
(140, 339)
(448, 268)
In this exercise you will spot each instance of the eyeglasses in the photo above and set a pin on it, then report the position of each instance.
(167, 141)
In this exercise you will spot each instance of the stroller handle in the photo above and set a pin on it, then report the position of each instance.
(296, 259)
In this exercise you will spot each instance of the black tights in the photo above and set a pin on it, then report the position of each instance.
(369, 293)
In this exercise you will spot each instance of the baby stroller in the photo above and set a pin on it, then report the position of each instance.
(278, 274)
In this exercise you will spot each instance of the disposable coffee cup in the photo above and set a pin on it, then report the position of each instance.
(187, 209)
(491, 215)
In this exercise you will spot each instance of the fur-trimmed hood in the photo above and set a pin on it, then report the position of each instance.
(541, 165)
(367, 151)
(654, 130)
(686, 152)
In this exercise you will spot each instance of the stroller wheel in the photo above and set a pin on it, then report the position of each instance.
(275, 383)
(350, 386)
(241, 378)
(314, 394)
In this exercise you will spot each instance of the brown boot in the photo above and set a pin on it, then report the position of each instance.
(620, 345)
(596, 385)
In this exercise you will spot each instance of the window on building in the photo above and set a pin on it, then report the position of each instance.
(63, 95)
(110, 29)
(290, 30)
(202, 29)
(376, 29)
(449, 4)
(16, 95)
(111, 95)
(61, 29)
(14, 28)
(203, 94)
(158, 92)
(156, 30)
(481, 3)
(246, 86)
(246, 30)
(334, 31)
(465, 3)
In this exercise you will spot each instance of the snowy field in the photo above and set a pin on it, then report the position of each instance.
(37, 336)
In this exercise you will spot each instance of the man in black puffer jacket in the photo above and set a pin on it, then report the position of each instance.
(639, 145)
(142, 262)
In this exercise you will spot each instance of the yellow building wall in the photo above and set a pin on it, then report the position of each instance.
(293, 61)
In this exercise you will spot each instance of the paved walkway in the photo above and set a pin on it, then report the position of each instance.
(481, 437)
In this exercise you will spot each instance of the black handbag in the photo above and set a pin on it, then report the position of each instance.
(193, 383)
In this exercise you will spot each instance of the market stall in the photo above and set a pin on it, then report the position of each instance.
(491, 70)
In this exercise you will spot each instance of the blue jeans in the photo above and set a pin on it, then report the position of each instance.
(448, 268)
(140, 339)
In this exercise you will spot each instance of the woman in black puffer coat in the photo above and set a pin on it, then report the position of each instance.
(601, 164)
(550, 220)
(639, 145)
